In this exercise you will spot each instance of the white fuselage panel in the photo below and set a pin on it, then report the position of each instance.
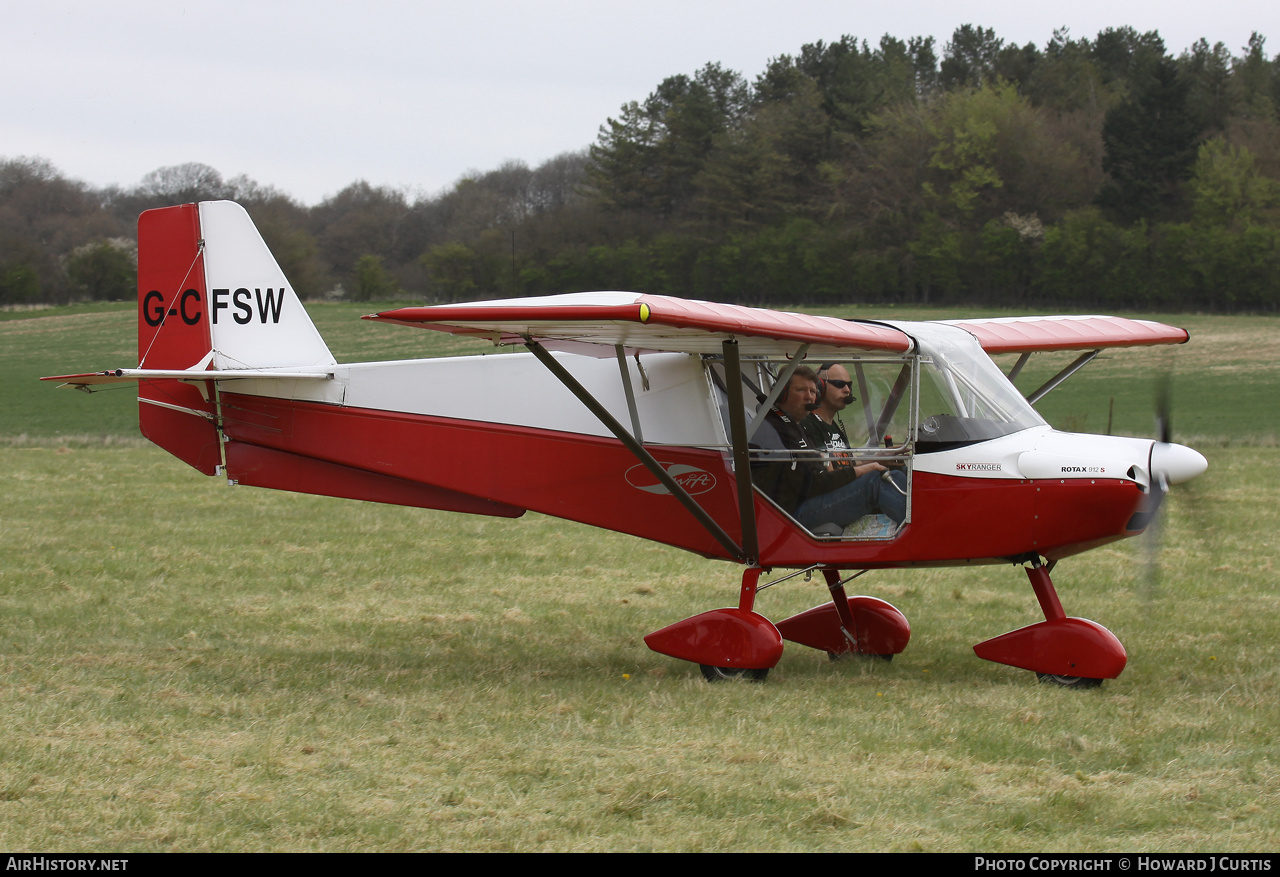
(1043, 452)
(671, 396)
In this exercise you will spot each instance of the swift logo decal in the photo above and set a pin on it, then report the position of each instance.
(691, 478)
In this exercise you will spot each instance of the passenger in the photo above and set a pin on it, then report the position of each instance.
(813, 493)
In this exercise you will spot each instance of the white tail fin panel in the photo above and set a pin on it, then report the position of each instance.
(255, 318)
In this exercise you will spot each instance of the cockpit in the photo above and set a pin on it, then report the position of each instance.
(841, 467)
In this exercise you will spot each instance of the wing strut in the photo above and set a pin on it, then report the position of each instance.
(631, 393)
(1017, 367)
(1078, 363)
(641, 454)
(741, 459)
(784, 378)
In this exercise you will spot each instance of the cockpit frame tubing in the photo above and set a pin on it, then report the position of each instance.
(900, 387)
(784, 378)
(867, 412)
(741, 460)
(638, 450)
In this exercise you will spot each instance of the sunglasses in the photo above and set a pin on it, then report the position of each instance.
(843, 385)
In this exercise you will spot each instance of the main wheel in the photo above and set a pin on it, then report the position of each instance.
(720, 674)
(840, 656)
(1069, 681)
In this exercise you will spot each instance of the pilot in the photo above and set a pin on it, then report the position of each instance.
(813, 493)
(835, 392)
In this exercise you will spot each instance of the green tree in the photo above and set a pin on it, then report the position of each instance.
(372, 281)
(1067, 77)
(105, 270)
(1211, 97)
(964, 156)
(43, 217)
(971, 156)
(1129, 60)
(970, 59)
(452, 271)
(1258, 80)
(19, 283)
(937, 252)
(853, 81)
(767, 169)
(361, 220)
(1227, 190)
(1149, 146)
(648, 158)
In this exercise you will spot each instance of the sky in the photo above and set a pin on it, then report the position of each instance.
(310, 97)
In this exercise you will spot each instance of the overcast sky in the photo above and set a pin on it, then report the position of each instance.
(311, 96)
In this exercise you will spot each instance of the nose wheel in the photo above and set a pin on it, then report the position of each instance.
(1068, 681)
(725, 674)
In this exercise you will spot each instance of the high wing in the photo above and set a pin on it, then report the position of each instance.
(1088, 334)
(604, 320)
(1034, 334)
(599, 322)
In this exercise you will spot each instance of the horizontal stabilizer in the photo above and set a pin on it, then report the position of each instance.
(126, 375)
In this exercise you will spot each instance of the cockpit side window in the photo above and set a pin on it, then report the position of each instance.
(812, 468)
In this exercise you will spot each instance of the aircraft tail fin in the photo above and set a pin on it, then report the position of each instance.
(210, 296)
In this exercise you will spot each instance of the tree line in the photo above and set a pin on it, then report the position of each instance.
(1101, 172)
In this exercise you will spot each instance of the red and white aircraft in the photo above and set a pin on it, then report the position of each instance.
(640, 414)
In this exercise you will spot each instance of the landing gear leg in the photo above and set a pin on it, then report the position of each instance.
(861, 626)
(731, 643)
(839, 599)
(1071, 652)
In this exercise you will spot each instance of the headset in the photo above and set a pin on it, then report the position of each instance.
(822, 387)
(782, 397)
(822, 382)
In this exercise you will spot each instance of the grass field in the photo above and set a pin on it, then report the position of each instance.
(187, 666)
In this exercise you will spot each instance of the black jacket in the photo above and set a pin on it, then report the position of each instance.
(789, 482)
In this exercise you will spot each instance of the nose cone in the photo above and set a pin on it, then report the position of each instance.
(1176, 463)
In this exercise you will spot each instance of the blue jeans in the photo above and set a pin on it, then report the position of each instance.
(866, 495)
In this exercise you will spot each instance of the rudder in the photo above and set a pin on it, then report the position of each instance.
(173, 333)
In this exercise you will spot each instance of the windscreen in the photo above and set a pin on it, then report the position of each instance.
(964, 397)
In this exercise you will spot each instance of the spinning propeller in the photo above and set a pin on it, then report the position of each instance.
(1170, 463)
